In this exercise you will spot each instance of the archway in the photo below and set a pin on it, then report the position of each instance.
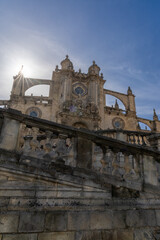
(38, 90)
(111, 100)
(143, 126)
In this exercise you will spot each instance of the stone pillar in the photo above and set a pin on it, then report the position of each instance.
(9, 134)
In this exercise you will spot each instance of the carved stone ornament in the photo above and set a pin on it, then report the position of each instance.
(79, 89)
(79, 108)
(118, 123)
(34, 112)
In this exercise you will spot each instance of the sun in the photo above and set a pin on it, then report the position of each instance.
(27, 69)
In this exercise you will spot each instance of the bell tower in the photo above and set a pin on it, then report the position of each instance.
(76, 95)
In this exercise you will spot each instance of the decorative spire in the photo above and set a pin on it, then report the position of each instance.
(94, 69)
(138, 127)
(101, 75)
(67, 64)
(129, 91)
(56, 69)
(155, 116)
(116, 105)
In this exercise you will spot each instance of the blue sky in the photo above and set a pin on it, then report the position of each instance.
(122, 36)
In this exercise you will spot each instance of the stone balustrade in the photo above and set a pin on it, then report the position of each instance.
(134, 137)
(50, 142)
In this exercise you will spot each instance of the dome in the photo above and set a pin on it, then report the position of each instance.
(67, 64)
(94, 69)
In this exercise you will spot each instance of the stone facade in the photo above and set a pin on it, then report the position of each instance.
(78, 99)
(66, 182)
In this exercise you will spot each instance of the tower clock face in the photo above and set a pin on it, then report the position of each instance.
(79, 89)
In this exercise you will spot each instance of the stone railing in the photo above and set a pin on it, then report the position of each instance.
(42, 143)
(134, 137)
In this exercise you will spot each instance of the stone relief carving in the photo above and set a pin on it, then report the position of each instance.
(80, 108)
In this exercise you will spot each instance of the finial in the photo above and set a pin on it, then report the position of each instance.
(94, 62)
(101, 75)
(116, 105)
(79, 70)
(20, 72)
(155, 117)
(138, 126)
(66, 56)
(129, 91)
(56, 69)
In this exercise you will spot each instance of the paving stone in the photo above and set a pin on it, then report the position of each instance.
(9, 222)
(31, 222)
(56, 221)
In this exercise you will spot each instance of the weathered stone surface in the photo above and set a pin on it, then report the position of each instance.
(132, 218)
(9, 222)
(158, 217)
(140, 218)
(20, 236)
(56, 221)
(101, 220)
(119, 219)
(31, 222)
(143, 234)
(125, 235)
(78, 220)
(56, 236)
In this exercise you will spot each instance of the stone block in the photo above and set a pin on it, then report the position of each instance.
(119, 219)
(108, 235)
(9, 222)
(31, 222)
(132, 218)
(141, 218)
(78, 220)
(148, 217)
(56, 236)
(56, 221)
(143, 234)
(20, 237)
(125, 235)
(101, 220)
(158, 217)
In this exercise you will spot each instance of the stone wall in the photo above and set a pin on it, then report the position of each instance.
(107, 189)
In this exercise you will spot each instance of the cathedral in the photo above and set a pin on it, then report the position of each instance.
(78, 99)
(73, 168)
